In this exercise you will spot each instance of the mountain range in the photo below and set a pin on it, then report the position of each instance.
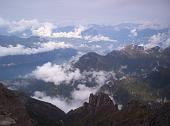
(17, 109)
(93, 75)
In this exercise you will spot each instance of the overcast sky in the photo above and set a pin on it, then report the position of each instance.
(87, 11)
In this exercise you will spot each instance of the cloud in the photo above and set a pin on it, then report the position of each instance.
(66, 73)
(34, 26)
(59, 74)
(60, 102)
(156, 40)
(44, 30)
(72, 34)
(47, 31)
(82, 92)
(78, 97)
(167, 43)
(56, 73)
(98, 38)
(160, 39)
(22, 50)
(133, 33)
(21, 25)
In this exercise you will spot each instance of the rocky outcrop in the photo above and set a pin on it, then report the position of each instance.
(12, 110)
(17, 109)
(91, 113)
(99, 100)
(135, 113)
(44, 114)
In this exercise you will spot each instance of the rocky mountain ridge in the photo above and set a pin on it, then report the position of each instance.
(18, 110)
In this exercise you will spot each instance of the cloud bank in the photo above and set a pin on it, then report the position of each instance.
(41, 47)
(56, 73)
(47, 29)
(159, 39)
(59, 74)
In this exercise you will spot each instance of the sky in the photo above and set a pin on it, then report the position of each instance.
(87, 11)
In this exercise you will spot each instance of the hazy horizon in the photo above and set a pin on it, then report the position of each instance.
(87, 11)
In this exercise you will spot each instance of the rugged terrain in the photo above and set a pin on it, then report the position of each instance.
(16, 109)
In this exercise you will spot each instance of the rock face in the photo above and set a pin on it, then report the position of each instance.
(12, 110)
(99, 100)
(44, 114)
(100, 111)
(16, 109)
(91, 114)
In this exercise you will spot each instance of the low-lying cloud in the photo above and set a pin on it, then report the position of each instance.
(78, 96)
(47, 29)
(72, 34)
(56, 73)
(23, 50)
(44, 30)
(159, 39)
(66, 73)
(97, 38)
(133, 33)
(59, 74)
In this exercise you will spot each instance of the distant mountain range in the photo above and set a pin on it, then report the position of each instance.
(127, 62)
(97, 38)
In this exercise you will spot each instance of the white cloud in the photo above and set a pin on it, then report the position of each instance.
(82, 92)
(133, 33)
(78, 97)
(56, 73)
(155, 40)
(22, 50)
(21, 25)
(66, 73)
(44, 30)
(33, 25)
(167, 43)
(72, 34)
(97, 38)
(61, 103)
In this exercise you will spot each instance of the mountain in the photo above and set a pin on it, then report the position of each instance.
(140, 74)
(100, 111)
(133, 57)
(132, 73)
(17, 109)
(122, 32)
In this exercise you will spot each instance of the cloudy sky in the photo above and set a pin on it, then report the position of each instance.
(87, 11)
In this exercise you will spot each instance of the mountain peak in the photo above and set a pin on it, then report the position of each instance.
(99, 100)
